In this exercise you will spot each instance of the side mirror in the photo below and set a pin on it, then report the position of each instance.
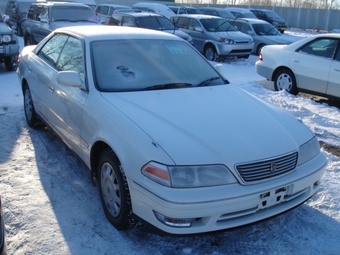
(220, 69)
(69, 78)
(198, 28)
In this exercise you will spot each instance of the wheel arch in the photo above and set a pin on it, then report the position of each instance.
(207, 44)
(278, 69)
(97, 148)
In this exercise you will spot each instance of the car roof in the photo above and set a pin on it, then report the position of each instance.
(102, 32)
(140, 14)
(238, 9)
(198, 16)
(58, 3)
(252, 21)
(113, 5)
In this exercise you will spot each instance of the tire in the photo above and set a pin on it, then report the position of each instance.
(285, 80)
(114, 191)
(28, 40)
(259, 48)
(31, 117)
(11, 63)
(210, 53)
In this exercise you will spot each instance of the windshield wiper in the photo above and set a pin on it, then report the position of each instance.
(206, 82)
(169, 86)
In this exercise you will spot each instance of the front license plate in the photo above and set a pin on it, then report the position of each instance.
(272, 197)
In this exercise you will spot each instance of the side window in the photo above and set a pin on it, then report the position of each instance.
(183, 23)
(322, 47)
(182, 11)
(71, 57)
(128, 22)
(105, 10)
(31, 13)
(44, 13)
(193, 24)
(51, 50)
(98, 9)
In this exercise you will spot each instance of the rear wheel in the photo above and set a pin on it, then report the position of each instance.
(210, 53)
(114, 191)
(285, 80)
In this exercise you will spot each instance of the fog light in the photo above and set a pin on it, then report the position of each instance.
(174, 222)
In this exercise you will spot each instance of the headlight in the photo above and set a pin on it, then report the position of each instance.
(6, 38)
(308, 150)
(188, 176)
(228, 41)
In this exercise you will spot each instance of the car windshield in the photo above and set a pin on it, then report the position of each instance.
(153, 22)
(69, 13)
(193, 11)
(265, 29)
(272, 15)
(135, 65)
(24, 6)
(225, 14)
(217, 25)
(249, 15)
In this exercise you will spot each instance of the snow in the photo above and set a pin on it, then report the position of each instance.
(50, 206)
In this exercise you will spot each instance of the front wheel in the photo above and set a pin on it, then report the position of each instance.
(114, 191)
(285, 80)
(31, 117)
(11, 63)
(259, 48)
(210, 53)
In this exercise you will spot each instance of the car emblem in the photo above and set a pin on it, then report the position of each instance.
(273, 167)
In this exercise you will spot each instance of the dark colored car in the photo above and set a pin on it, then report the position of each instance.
(9, 45)
(150, 21)
(271, 17)
(219, 12)
(45, 17)
(17, 12)
(2, 232)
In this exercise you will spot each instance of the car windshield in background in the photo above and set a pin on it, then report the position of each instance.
(135, 65)
(272, 15)
(156, 23)
(217, 25)
(265, 29)
(24, 6)
(68, 13)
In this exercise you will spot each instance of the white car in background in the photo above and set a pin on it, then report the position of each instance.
(310, 65)
(164, 135)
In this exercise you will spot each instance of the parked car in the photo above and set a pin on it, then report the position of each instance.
(17, 12)
(271, 17)
(214, 36)
(166, 138)
(44, 17)
(219, 12)
(9, 45)
(3, 249)
(263, 33)
(310, 65)
(153, 7)
(104, 11)
(241, 12)
(150, 21)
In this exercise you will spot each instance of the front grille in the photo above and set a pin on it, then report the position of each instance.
(262, 170)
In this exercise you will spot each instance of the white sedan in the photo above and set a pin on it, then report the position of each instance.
(311, 65)
(164, 135)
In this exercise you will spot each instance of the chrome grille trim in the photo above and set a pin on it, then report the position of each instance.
(262, 170)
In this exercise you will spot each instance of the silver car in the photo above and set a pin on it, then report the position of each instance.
(262, 32)
(214, 36)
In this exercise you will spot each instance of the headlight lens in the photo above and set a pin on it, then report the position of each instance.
(308, 150)
(188, 176)
(226, 40)
(6, 38)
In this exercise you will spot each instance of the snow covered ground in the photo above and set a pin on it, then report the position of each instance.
(50, 206)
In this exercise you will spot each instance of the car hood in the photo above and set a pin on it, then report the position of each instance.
(60, 24)
(235, 35)
(207, 125)
(179, 33)
(4, 29)
(278, 20)
(277, 39)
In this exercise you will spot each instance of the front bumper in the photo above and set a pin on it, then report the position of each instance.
(238, 49)
(9, 50)
(224, 207)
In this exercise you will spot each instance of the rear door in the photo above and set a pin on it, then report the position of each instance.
(333, 88)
